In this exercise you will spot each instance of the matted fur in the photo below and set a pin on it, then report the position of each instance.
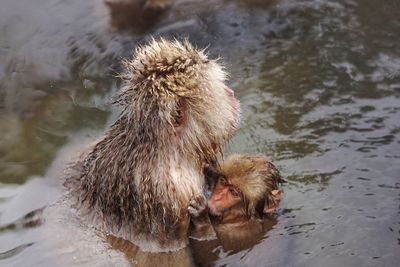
(137, 181)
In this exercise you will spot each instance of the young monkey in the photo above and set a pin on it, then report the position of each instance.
(244, 188)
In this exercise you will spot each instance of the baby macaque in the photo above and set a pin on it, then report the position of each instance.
(245, 189)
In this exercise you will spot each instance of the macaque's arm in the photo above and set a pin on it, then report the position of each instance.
(202, 228)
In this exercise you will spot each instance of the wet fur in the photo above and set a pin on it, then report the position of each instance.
(240, 226)
(137, 181)
(255, 178)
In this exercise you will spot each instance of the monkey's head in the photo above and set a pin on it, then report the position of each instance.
(176, 98)
(249, 182)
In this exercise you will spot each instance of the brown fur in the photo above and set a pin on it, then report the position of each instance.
(135, 15)
(137, 181)
(255, 179)
(239, 226)
(157, 4)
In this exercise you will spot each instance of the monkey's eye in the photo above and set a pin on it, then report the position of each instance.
(234, 192)
(223, 180)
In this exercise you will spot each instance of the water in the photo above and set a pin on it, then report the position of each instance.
(319, 83)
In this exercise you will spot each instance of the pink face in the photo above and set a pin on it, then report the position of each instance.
(235, 105)
(223, 197)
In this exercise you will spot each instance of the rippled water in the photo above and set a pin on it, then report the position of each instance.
(319, 83)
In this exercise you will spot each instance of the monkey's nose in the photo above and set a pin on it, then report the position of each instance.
(215, 199)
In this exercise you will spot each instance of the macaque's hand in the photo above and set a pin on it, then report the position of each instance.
(202, 227)
(198, 208)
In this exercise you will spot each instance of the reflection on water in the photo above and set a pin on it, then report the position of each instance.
(136, 257)
(232, 239)
(30, 141)
(319, 83)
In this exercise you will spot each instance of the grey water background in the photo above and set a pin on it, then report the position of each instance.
(319, 84)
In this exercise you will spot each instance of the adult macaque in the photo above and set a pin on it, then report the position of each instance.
(136, 183)
(245, 189)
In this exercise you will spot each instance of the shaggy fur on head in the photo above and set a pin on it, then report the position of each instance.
(253, 175)
(137, 181)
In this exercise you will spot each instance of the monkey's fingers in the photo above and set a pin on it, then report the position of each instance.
(193, 204)
(198, 202)
(201, 201)
(193, 212)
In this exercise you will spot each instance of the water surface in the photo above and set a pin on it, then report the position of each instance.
(319, 83)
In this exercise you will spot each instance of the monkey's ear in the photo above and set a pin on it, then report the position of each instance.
(272, 201)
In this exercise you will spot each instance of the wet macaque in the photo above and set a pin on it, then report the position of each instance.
(136, 15)
(157, 4)
(247, 184)
(137, 181)
(246, 188)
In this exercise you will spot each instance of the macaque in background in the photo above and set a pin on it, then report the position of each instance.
(157, 4)
(137, 181)
(246, 188)
(136, 15)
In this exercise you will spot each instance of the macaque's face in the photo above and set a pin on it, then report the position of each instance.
(220, 110)
(223, 197)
